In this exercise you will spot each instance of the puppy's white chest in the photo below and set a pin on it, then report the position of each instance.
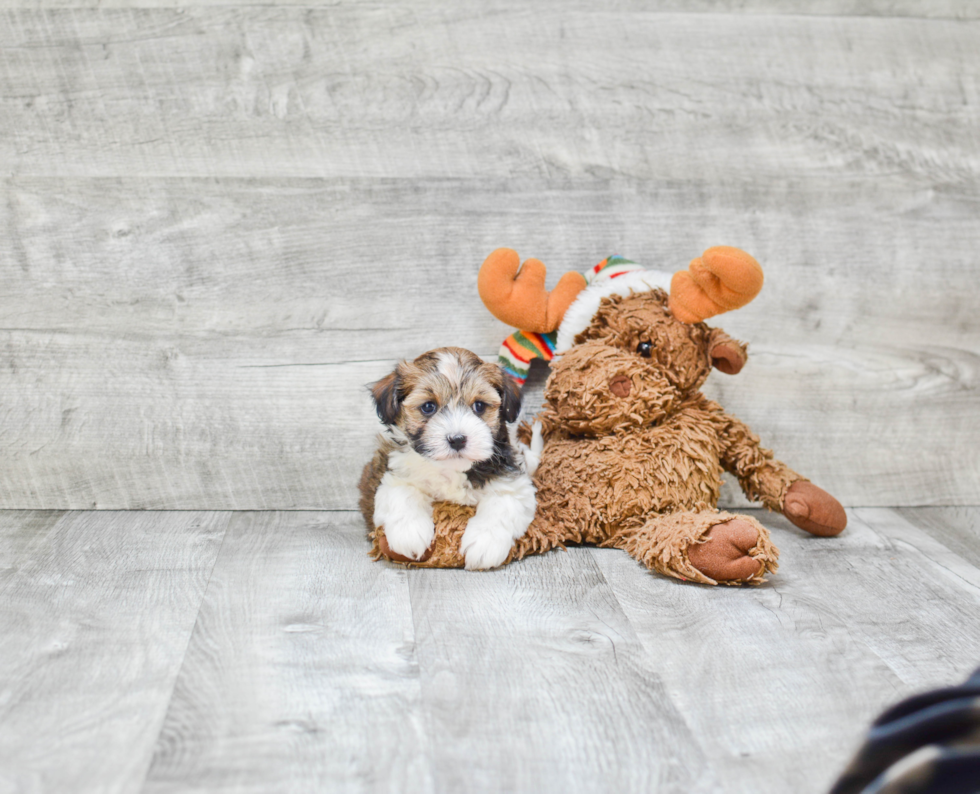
(439, 483)
(451, 486)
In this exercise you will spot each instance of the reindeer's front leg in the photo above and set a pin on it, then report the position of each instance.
(776, 485)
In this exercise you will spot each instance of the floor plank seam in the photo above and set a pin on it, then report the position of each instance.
(183, 659)
(424, 717)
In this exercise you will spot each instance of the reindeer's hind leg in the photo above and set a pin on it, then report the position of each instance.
(707, 547)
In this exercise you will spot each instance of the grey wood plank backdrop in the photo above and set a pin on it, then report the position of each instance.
(219, 223)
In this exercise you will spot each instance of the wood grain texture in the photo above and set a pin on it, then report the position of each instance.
(436, 91)
(96, 610)
(220, 223)
(301, 673)
(534, 680)
(301, 665)
(392, 264)
(956, 528)
(20, 531)
(182, 343)
(922, 9)
(847, 627)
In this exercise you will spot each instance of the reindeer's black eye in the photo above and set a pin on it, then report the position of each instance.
(644, 349)
(428, 408)
(479, 407)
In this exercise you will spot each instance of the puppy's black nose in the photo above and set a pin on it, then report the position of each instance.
(456, 442)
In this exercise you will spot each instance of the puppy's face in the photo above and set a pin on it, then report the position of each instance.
(450, 406)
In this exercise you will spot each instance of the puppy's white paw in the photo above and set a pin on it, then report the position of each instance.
(410, 535)
(484, 544)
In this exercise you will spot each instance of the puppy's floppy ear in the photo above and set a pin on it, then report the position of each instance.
(510, 396)
(387, 401)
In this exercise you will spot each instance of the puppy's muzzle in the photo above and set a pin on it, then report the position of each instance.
(456, 442)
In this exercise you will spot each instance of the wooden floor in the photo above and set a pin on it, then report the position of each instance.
(264, 652)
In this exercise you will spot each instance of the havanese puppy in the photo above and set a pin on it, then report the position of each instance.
(446, 438)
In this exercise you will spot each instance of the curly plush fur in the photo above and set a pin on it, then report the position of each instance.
(634, 453)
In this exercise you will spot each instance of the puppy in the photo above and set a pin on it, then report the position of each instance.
(446, 439)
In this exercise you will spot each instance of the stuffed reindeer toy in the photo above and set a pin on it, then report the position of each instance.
(627, 452)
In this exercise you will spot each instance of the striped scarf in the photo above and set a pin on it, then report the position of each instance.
(519, 348)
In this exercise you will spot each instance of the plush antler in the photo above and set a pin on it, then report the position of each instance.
(520, 299)
(721, 279)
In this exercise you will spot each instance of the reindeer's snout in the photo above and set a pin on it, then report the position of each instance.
(597, 388)
(620, 385)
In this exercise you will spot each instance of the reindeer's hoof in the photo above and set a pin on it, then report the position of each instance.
(724, 554)
(394, 556)
(813, 509)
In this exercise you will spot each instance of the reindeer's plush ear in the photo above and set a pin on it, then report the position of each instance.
(386, 399)
(727, 355)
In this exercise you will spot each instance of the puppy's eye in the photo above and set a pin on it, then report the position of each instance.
(479, 407)
(428, 408)
(644, 349)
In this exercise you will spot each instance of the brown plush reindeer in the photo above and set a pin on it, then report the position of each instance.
(632, 451)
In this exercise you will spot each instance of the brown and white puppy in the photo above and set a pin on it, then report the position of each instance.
(446, 438)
